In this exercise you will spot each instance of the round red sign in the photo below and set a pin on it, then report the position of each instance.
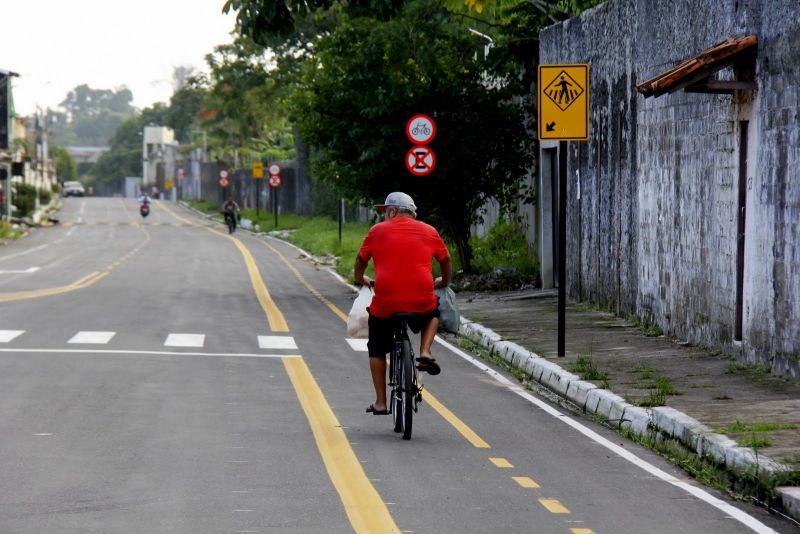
(274, 180)
(223, 182)
(420, 160)
(274, 169)
(420, 129)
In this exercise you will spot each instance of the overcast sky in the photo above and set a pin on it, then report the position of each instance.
(56, 45)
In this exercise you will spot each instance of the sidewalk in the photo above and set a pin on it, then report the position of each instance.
(710, 400)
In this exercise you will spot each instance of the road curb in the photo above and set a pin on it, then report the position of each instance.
(643, 422)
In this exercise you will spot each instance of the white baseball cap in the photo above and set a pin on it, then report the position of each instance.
(398, 200)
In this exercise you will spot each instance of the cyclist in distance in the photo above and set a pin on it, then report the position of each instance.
(230, 208)
(401, 248)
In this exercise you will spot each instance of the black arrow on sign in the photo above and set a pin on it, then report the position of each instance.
(551, 126)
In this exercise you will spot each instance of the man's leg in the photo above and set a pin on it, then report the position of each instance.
(377, 366)
(426, 338)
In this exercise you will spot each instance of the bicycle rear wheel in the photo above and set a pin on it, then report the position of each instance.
(396, 400)
(408, 388)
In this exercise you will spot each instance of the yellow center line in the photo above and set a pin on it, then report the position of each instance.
(448, 416)
(501, 463)
(581, 531)
(457, 423)
(81, 283)
(362, 503)
(526, 482)
(312, 289)
(275, 318)
(554, 506)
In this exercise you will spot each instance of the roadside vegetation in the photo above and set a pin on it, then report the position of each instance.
(502, 257)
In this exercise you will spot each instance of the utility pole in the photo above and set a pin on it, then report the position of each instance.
(5, 139)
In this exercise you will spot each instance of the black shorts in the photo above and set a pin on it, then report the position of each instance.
(380, 332)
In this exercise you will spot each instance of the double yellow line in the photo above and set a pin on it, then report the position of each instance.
(84, 282)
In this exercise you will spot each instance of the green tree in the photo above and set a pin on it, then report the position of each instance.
(369, 76)
(124, 157)
(66, 168)
(91, 115)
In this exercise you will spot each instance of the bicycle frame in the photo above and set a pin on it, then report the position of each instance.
(405, 391)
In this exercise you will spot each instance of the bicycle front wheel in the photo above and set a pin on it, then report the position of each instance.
(408, 388)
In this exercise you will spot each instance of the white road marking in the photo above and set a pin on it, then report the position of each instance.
(43, 434)
(276, 342)
(152, 353)
(40, 247)
(8, 335)
(732, 511)
(21, 271)
(185, 340)
(95, 338)
(357, 344)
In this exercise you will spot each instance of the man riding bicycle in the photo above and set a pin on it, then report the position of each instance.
(230, 208)
(401, 248)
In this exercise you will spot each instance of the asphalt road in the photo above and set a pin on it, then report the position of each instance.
(159, 375)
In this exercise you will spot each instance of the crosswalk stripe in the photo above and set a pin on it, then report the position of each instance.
(95, 338)
(185, 340)
(357, 344)
(8, 335)
(276, 342)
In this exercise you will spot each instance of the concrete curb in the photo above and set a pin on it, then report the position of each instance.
(644, 422)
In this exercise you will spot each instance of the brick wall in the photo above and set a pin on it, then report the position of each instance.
(653, 196)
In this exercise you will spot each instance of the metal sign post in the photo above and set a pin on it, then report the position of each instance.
(275, 183)
(258, 175)
(563, 103)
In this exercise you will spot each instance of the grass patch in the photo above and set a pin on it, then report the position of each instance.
(660, 387)
(644, 371)
(738, 427)
(755, 441)
(584, 367)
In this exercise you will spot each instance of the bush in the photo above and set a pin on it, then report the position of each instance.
(24, 199)
(45, 195)
(501, 261)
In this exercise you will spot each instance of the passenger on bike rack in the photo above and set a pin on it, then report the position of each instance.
(401, 248)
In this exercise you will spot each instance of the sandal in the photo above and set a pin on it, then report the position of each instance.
(428, 365)
(373, 411)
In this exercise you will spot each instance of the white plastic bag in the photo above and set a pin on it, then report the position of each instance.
(449, 315)
(358, 319)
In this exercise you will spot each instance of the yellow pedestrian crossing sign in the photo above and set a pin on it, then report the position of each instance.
(258, 170)
(563, 102)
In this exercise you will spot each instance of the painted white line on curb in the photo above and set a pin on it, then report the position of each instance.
(701, 494)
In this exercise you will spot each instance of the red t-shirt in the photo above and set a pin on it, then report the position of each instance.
(402, 249)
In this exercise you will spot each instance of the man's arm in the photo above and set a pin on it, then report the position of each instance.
(446, 266)
(358, 272)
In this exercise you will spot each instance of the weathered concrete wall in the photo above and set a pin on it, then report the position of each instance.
(653, 196)
(602, 187)
(772, 275)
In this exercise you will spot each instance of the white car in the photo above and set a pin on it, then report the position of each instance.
(73, 189)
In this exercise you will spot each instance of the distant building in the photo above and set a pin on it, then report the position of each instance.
(86, 154)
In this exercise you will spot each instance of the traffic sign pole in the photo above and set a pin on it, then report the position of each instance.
(562, 246)
(563, 104)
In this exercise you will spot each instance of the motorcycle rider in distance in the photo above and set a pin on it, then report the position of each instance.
(145, 201)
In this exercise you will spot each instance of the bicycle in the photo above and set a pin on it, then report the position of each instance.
(230, 220)
(406, 392)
